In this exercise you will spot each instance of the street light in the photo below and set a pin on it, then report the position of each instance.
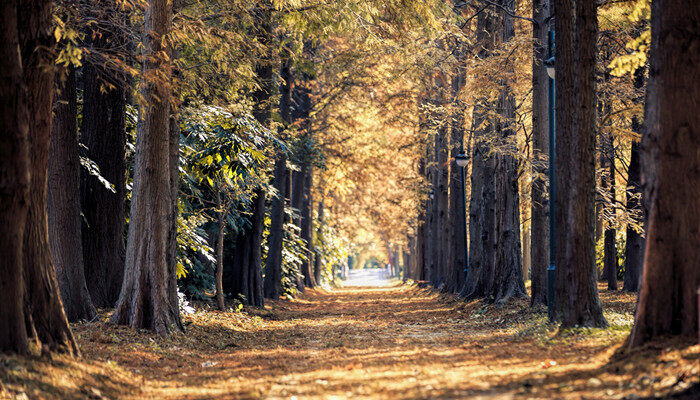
(461, 160)
(549, 64)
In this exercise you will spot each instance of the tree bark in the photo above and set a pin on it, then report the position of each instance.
(103, 133)
(539, 248)
(576, 295)
(307, 228)
(634, 249)
(145, 300)
(508, 277)
(318, 265)
(258, 220)
(273, 263)
(442, 242)
(668, 300)
(634, 245)
(428, 227)
(63, 206)
(14, 184)
(457, 214)
(221, 228)
(480, 271)
(609, 246)
(43, 302)
(297, 202)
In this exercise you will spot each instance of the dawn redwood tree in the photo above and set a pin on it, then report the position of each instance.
(539, 223)
(457, 214)
(31, 303)
(103, 134)
(14, 183)
(319, 232)
(576, 293)
(273, 263)
(480, 273)
(508, 274)
(219, 246)
(417, 271)
(63, 206)
(634, 245)
(609, 245)
(297, 199)
(668, 300)
(244, 263)
(146, 299)
(306, 231)
(441, 173)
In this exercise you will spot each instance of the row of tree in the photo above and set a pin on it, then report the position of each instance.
(101, 98)
(607, 130)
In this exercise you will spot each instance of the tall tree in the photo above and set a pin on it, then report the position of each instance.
(480, 273)
(306, 231)
(63, 206)
(145, 300)
(457, 213)
(634, 245)
(609, 237)
(539, 224)
(103, 134)
(508, 277)
(668, 300)
(14, 183)
(29, 26)
(576, 294)
(273, 263)
(244, 264)
(441, 241)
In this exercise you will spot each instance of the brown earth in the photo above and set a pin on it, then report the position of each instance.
(395, 342)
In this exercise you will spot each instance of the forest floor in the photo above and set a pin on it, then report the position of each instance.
(384, 342)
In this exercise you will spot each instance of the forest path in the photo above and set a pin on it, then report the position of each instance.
(382, 342)
(391, 342)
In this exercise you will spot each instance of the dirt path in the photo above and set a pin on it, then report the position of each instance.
(393, 342)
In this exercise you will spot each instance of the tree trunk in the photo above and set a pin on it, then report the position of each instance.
(221, 228)
(174, 170)
(539, 248)
(668, 301)
(479, 277)
(273, 263)
(63, 206)
(307, 228)
(14, 183)
(634, 245)
(42, 300)
(428, 227)
(634, 249)
(145, 300)
(318, 265)
(576, 295)
(103, 133)
(297, 202)
(256, 245)
(508, 277)
(609, 247)
(441, 240)
(457, 214)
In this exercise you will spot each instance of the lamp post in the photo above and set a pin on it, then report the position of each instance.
(462, 160)
(549, 65)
